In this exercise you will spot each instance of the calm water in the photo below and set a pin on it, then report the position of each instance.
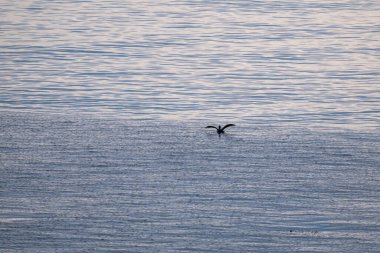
(102, 112)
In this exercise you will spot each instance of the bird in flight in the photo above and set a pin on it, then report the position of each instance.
(220, 130)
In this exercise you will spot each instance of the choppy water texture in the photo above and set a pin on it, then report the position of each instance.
(79, 184)
(103, 106)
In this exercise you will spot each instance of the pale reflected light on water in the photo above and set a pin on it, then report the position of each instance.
(103, 106)
(282, 61)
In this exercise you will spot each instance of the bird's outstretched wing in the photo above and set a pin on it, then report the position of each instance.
(228, 125)
(211, 127)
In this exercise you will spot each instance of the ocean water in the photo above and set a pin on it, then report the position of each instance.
(103, 108)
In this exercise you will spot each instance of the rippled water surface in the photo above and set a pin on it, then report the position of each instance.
(103, 106)
(84, 184)
(280, 60)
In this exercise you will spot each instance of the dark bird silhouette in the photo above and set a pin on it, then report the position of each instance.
(220, 130)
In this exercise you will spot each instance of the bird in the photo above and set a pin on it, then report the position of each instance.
(220, 130)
